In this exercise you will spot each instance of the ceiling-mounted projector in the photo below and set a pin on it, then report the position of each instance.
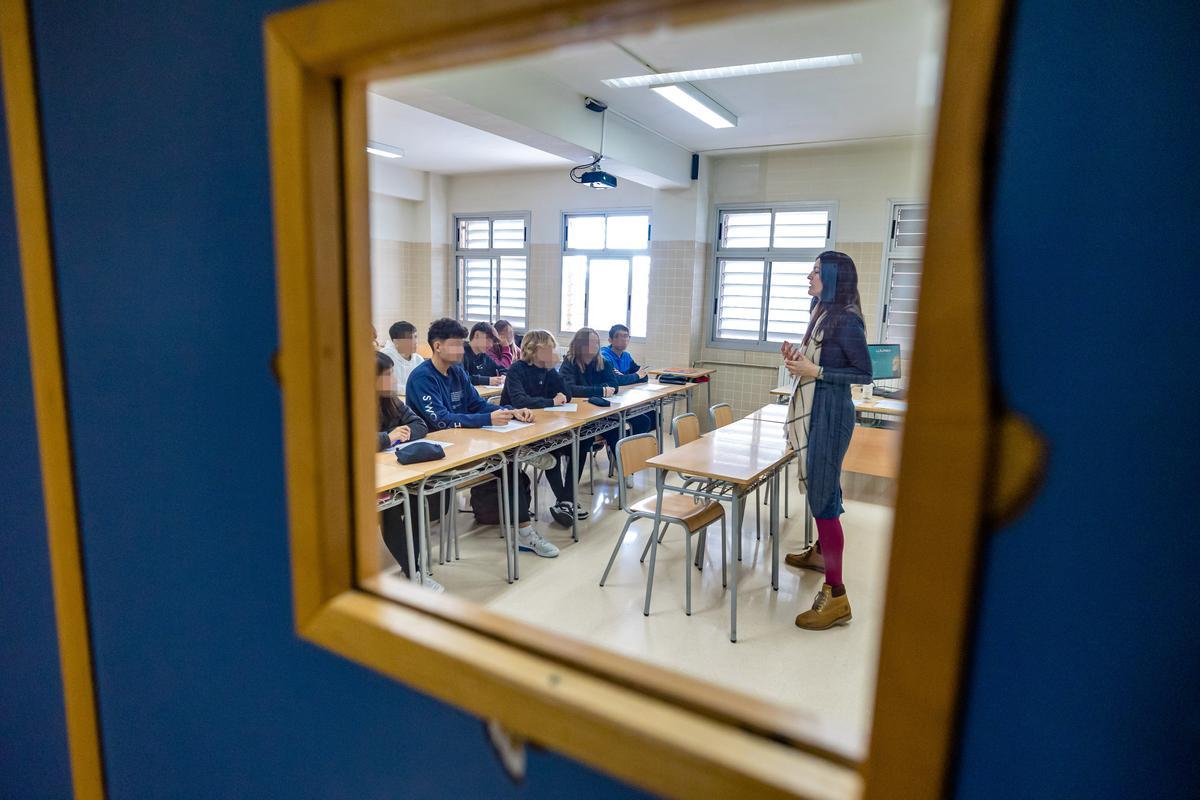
(598, 179)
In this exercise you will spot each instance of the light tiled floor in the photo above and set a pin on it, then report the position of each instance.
(828, 676)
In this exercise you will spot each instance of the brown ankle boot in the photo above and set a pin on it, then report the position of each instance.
(808, 558)
(826, 611)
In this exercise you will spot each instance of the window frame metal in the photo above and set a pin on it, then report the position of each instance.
(605, 252)
(493, 253)
(768, 255)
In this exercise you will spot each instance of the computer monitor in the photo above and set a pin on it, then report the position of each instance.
(885, 361)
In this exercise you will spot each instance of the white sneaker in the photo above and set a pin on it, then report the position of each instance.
(544, 462)
(532, 541)
(581, 511)
(432, 585)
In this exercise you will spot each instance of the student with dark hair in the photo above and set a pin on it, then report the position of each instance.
(820, 421)
(586, 374)
(533, 382)
(616, 353)
(402, 349)
(506, 351)
(480, 366)
(398, 423)
(444, 397)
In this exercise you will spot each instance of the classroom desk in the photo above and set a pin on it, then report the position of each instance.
(689, 372)
(737, 459)
(397, 483)
(876, 405)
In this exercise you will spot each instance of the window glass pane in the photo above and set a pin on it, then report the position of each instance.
(508, 234)
(630, 232)
(739, 306)
(574, 276)
(608, 292)
(512, 290)
(788, 302)
(640, 298)
(745, 229)
(472, 234)
(477, 289)
(585, 233)
(801, 228)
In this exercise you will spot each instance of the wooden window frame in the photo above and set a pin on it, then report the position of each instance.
(964, 460)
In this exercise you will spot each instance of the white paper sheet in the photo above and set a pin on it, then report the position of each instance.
(511, 425)
(563, 407)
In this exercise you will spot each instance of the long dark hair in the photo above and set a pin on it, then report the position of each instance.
(389, 405)
(839, 292)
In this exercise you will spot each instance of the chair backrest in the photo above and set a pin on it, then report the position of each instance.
(632, 454)
(721, 415)
(424, 350)
(685, 428)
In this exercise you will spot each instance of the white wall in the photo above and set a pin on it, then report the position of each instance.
(861, 177)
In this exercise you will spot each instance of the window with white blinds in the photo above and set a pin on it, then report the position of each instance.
(763, 257)
(605, 270)
(492, 256)
(903, 254)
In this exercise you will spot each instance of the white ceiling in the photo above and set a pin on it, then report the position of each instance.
(436, 144)
(888, 94)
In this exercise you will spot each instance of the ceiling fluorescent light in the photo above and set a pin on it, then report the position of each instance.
(698, 104)
(385, 150)
(739, 71)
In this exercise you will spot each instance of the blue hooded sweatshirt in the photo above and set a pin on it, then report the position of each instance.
(447, 401)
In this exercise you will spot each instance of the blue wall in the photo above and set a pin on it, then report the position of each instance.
(33, 736)
(156, 134)
(1086, 678)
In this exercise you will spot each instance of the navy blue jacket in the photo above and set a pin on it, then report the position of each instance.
(481, 368)
(844, 356)
(447, 401)
(591, 380)
(529, 386)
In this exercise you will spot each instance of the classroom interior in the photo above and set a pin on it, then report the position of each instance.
(725, 192)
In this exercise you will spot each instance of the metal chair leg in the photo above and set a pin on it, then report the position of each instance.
(687, 571)
(616, 549)
(654, 542)
(757, 517)
(724, 543)
(701, 546)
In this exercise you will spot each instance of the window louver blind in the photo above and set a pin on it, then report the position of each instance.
(906, 247)
(492, 264)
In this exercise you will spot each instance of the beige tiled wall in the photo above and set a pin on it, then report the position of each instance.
(402, 283)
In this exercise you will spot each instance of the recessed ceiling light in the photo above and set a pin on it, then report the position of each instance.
(698, 104)
(385, 150)
(739, 71)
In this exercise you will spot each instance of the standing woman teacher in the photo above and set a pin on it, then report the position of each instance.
(832, 356)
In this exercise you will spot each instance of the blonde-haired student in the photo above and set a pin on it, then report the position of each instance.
(533, 382)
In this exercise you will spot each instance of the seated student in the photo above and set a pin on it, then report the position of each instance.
(533, 382)
(616, 352)
(402, 349)
(505, 351)
(398, 423)
(480, 367)
(442, 394)
(586, 374)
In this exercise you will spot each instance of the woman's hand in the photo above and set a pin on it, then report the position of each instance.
(609, 391)
(401, 434)
(560, 399)
(523, 415)
(496, 380)
(801, 366)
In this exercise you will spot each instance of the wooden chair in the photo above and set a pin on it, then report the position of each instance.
(424, 351)
(632, 454)
(720, 415)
